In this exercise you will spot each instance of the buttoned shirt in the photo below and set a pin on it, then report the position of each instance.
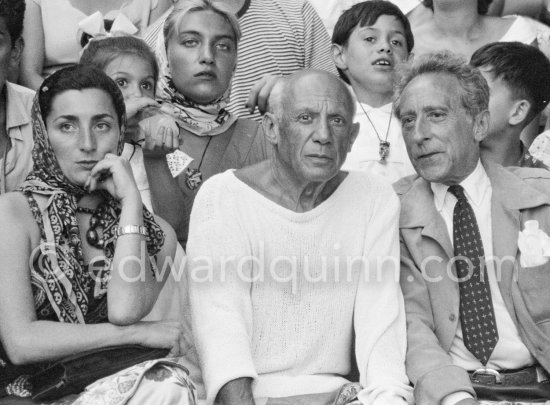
(510, 352)
(16, 162)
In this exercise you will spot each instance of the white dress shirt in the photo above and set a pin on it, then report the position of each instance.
(510, 352)
(365, 156)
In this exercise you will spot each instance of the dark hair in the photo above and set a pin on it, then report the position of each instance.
(101, 52)
(367, 13)
(473, 91)
(523, 68)
(13, 12)
(79, 77)
(482, 5)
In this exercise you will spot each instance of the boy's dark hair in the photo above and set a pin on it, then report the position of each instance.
(523, 68)
(101, 52)
(482, 5)
(367, 13)
(79, 77)
(13, 12)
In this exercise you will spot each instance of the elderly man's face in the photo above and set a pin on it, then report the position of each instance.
(441, 137)
(317, 130)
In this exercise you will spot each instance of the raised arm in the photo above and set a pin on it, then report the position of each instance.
(134, 285)
(28, 340)
(32, 60)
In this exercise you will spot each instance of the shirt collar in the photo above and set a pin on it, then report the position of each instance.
(475, 186)
(16, 112)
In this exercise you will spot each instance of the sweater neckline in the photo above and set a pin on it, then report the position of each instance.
(297, 216)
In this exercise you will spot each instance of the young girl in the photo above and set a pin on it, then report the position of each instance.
(132, 65)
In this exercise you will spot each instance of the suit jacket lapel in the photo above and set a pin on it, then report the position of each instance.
(418, 211)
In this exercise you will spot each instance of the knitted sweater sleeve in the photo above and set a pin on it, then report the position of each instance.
(379, 317)
(219, 290)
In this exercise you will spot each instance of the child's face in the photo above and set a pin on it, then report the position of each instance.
(501, 103)
(133, 75)
(372, 52)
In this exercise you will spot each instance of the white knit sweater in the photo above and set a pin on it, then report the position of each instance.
(276, 295)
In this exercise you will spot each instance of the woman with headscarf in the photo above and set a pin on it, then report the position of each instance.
(197, 55)
(79, 253)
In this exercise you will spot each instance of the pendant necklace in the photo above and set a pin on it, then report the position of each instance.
(91, 234)
(193, 177)
(384, 148)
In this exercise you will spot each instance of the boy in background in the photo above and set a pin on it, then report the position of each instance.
(15, 101)
(519, 82)
(370, 40)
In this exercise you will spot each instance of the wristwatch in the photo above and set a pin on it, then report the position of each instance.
(131, 230)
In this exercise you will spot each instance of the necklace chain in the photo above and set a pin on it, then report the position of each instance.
(193, 177)
(384, 149)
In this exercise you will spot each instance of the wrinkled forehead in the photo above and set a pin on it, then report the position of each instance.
(316, 92)
(430, 89)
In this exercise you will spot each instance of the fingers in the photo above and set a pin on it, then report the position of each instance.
(161, 134)
(260, 92)
(112, 174)
(135, 104)
(252, 100)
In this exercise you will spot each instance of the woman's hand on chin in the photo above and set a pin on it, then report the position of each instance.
(114, 175)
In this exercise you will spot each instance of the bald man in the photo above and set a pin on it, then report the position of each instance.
(292, 261)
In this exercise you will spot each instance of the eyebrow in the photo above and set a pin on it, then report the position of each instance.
(217, 37)
(75, 118)
(378, 29)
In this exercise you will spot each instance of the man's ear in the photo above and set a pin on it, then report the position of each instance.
(519, 112)
(354, 132)
(270, 125)
(481, 125)
(339, 56)
(16, 51)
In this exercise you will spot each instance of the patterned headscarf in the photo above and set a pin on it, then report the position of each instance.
(200, 119)
(60, 271)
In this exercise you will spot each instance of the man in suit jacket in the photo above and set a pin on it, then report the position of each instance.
(489, 326)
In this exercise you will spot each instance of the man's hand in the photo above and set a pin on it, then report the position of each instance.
(237, 392)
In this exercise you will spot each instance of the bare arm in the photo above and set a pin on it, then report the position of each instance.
(28, 340)
(32, 60)
(133, 288)
(237, 392)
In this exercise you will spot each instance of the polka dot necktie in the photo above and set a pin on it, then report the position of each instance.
(477, 315)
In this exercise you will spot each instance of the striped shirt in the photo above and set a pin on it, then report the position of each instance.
(278, 37)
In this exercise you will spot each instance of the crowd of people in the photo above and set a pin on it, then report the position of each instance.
(301, 202)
